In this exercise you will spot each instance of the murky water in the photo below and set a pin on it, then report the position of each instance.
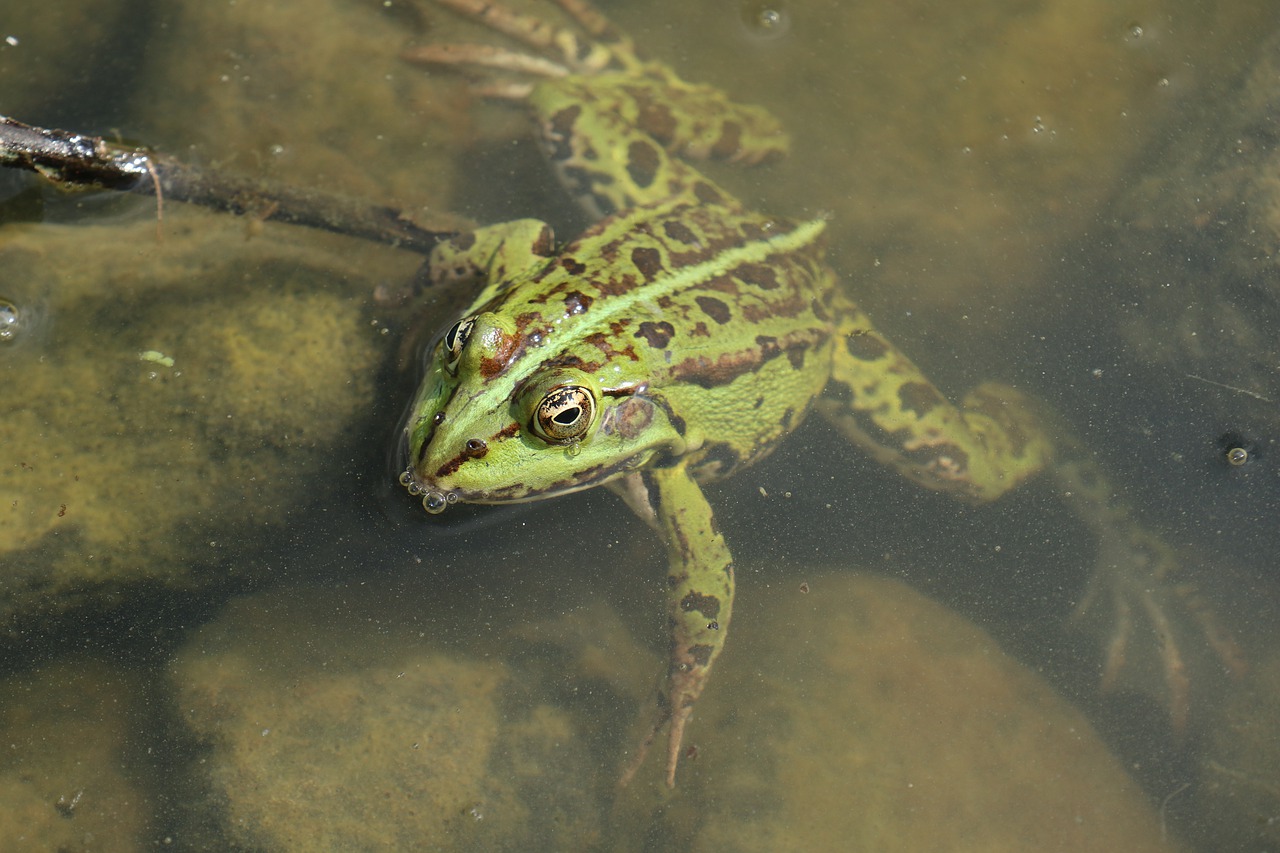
(226, 627)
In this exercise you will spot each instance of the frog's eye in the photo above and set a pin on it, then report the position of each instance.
(564, 414)
(559, 405)
(454, 340)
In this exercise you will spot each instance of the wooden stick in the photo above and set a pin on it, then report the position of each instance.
(72, 160)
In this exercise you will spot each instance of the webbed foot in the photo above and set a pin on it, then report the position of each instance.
(550, 51)
(1151, 617)
(675, 701)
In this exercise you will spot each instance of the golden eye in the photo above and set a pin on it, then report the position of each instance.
(559, 405)
(454, 340)
(564, 414)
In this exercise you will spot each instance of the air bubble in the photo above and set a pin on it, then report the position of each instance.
(10, 321)
(764, 20)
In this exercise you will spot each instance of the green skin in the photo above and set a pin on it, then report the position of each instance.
(673, 343)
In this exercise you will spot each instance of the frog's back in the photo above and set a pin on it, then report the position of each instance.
(721, 316)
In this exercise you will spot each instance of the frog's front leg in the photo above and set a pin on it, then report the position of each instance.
(699, 597)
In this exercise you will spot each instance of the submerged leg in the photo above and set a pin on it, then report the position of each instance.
(699, 602)
(981, 448)
(991, 442)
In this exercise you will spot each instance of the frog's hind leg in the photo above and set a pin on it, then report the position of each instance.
(1146, 614)
(882, 402)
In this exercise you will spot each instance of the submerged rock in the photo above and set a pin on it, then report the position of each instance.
(65, 779)
(1196, 244)
(176, 394)
(852, 713)
(338, 724)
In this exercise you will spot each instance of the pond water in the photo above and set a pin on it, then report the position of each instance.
(226, 626)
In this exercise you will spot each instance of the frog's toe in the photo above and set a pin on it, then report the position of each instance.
(1117, 644)
(547, 50)
(675, 740)
(1156, 632)
(673, 711)
(486, 57)
(637, 759)
(1177, 683)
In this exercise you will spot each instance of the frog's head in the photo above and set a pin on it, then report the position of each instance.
(497, 421)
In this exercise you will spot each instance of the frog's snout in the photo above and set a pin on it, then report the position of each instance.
(434, 501)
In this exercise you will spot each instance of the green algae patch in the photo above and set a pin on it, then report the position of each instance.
(119, 473)
(314, 94)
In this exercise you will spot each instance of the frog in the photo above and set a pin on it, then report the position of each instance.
(680, 337)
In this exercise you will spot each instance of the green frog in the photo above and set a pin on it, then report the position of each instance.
(674, 342)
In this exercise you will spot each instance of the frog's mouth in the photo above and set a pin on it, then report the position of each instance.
(436, 500)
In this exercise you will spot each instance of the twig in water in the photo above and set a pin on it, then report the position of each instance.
(1164, 830)
(73, 160)
(1254, 394)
